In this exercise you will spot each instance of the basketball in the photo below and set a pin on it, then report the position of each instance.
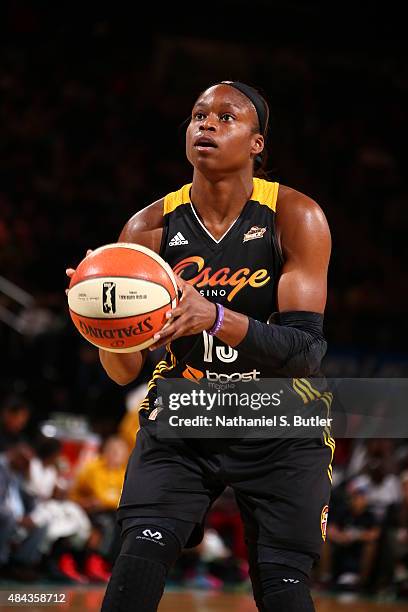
(119, 296)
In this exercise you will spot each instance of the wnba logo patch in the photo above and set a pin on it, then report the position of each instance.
(323, 521)
(109, 297)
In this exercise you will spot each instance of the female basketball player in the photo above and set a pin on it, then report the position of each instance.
(243, 248)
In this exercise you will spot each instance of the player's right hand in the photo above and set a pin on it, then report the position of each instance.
(71, 271)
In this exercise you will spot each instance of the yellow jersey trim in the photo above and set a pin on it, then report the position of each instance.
(176, 198)
(161, 367)
(308, 393)
(264, 192)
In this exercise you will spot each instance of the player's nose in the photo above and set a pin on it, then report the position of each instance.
(209, 123)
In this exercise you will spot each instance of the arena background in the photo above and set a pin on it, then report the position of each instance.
(92, 103)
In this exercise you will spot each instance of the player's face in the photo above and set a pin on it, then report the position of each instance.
(222, 134)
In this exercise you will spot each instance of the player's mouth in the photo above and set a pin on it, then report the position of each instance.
(205, 143)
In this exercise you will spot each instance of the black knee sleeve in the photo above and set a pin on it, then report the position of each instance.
(285, 588)
(295, 599)
(153, 543)
(183, 530)
(139, 574)
(135, 584)
(265, 563)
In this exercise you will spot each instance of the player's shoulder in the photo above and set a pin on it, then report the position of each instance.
(291, 198)
(145, 227)
(151, 217)
(296, 207)
(148, 218)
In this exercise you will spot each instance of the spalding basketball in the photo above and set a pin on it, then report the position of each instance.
(119, 296)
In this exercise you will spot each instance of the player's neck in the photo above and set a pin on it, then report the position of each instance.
(221, 198)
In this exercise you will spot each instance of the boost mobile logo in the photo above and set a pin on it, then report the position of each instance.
(109, 297)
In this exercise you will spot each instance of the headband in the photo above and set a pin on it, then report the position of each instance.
(257, 101)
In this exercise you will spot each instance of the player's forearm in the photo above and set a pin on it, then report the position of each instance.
(234, 327)
(294, 348)
(123, 368)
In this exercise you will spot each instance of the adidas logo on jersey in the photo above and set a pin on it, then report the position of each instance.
(178, 240)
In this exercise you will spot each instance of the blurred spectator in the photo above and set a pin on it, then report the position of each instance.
(383, 489)
(225, 518)
(14, 417)
(221, 558)
(44, 472)
(71, 542)
(352, 535)
(97, 489)
(395, 564)
(208, 566)
(62, 518)
(98, 485)
(365, 452)
(20, 539)
(129, 425)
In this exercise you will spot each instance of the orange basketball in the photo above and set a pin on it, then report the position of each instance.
(119, 296)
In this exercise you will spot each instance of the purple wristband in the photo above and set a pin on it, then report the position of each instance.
(218, 321)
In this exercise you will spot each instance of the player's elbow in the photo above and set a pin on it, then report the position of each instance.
(307, 362)
(119, 368)
(121, 378)
(121, 381)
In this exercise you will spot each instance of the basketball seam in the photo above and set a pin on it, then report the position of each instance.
(105, 276)
(90, 278)
(146, 251)
(119, 318)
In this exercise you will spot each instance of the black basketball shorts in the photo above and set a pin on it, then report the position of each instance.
(282, 486)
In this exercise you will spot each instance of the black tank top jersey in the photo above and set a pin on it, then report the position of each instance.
(240, 271)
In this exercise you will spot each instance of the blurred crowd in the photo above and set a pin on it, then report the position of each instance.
(367, 532)
(58, 520)
(91, 130)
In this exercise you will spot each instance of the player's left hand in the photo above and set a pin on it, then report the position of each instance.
(192, 315)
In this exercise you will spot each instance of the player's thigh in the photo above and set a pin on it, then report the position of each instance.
(164, 478)
(285, 502)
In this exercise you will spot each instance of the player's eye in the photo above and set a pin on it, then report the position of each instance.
(227, 117)
(199, 116)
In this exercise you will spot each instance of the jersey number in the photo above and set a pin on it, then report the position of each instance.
(224, 353)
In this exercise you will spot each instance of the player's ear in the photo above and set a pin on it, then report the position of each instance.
(258, 144)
